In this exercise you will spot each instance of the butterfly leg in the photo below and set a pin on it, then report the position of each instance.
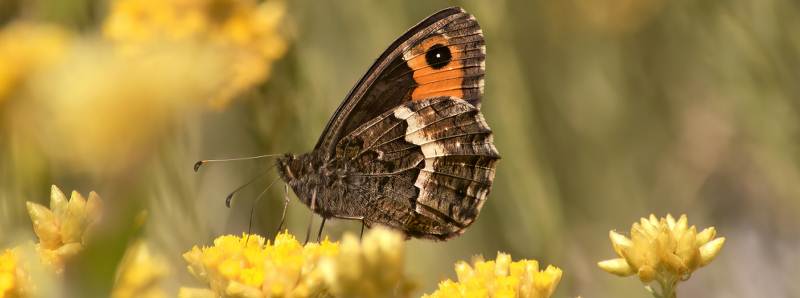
(253, 209)
(359, 218)
(319, 234)
(311, 219)
(285, 205)
(361, 236)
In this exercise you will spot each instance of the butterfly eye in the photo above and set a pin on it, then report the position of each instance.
(438, 56)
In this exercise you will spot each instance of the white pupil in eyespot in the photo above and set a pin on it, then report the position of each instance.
(438, 56)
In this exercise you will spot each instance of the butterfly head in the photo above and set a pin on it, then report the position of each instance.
(298, 171)
(288, 167)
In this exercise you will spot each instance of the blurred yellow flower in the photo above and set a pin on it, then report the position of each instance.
(104, 111)
(245, 29)
(62, 229)
(369, 268)
(26, 48)
(102, 104)
(662, 250)
(139, 274)
(500, 278)
(14, 281)
(246, 267)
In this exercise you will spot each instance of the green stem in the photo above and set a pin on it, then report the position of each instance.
(668, 287)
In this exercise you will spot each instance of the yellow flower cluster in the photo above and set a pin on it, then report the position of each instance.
(155, 63)
(14, 281)
(663, 250)
(244, 28)
(139, 274)
(500, 278)
(372, 267)
(26, 48)
(246, 267)
(62, 229)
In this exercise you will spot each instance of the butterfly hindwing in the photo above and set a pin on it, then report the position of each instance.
(429, 161)
(441, 56)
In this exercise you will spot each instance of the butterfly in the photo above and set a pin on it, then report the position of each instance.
(408, 148)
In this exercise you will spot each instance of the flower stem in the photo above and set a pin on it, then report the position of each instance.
(668, 287)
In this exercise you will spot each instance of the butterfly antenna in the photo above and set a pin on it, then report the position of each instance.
(255, 203)
(200, 163)
(230, 196)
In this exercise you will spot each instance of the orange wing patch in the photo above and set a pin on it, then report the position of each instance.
(436, 79)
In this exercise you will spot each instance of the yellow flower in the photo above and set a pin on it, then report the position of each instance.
(62, 229)
(14, 281)
(500, 278)
(89, 100)
(372, 268)
(246, 267)
(139, 274)
(245, 29)
(106, 112)
(662, 250)
(26, 48)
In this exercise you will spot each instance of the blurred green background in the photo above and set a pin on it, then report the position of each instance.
(604, 111)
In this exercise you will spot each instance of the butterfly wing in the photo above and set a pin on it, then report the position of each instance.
(441, 56)
(424, 167)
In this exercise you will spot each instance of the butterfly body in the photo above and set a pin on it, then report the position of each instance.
(408, 148)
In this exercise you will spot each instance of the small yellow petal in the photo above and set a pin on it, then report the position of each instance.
(74, 221)
(501, 264)
(546, 281)
(648, 228)
(673, 263)
(653, 220)
(58, 201)
(710, 250)
(687, 249)
(705, 236)
(76, 196)
(619, 242)
(670, 221)
(44, 225)
(682, 223)
(94, 205)
(617, 267)
(463, 271)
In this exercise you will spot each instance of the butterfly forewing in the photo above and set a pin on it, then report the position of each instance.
(404, 72)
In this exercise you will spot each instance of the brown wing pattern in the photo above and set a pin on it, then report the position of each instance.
(441, 56)
(430, 162)
(408, 147)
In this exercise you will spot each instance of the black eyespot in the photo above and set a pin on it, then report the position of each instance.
(438, 56)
